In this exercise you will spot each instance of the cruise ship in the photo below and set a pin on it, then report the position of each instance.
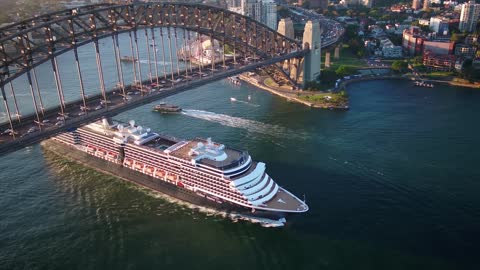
(199, 171)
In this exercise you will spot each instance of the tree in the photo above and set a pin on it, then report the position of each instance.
(345, 70)
(454, 37)
(328, 76)
(399, 65)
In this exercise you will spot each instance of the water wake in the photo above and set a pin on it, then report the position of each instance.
(247, 103)
(161, 63)
(250, 125)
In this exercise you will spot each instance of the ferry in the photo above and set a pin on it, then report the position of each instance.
(128, 59)
(199, 171)
(423, 84)
(166, 108)
(234, 80)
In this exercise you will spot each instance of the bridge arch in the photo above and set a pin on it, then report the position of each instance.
(29, 43)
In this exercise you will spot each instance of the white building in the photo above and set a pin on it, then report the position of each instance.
(469, 16)
(439, 25)
(392, 51)
(264, 11)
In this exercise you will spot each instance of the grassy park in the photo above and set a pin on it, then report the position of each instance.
(347, 58)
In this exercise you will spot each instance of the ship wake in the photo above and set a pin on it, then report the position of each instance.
(250, 125)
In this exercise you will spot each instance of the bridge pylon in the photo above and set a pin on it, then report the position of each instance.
(312, 60)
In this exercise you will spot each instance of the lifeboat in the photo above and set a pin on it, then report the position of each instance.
(180, 184)
(101, 152)
(171, 177)
(159, 173)
(90, 148)
(149, 169)
(111, 155)
(139, 166)
(128, 162)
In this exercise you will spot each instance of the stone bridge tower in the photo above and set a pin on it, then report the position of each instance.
(311, 62)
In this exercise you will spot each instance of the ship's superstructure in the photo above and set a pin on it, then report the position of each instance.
(207, 169)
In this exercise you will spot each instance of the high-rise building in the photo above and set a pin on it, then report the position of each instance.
(439, 25)
(252, 9)
(416, 4)
(426, 4)
(264, 11)
(269, 13)
(469, 16)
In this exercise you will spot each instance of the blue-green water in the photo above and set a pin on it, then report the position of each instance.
(391, 184)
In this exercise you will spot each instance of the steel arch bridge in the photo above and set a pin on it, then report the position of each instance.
(27, 44)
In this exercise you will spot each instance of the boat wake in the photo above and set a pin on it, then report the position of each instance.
(244, 102)
(250, 125)
(160, 63)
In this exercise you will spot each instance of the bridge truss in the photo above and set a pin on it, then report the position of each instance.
(27, 44)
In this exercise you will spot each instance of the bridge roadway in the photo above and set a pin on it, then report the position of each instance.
(118, 104)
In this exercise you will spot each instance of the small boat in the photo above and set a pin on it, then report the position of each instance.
(234, 80)
(128, 59)
(249, 97)
(233, 99)
(423, 84)
(166, 108)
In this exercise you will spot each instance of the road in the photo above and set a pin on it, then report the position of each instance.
(27, 132)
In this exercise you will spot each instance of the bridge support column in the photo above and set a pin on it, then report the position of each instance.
(34, 99)
(163, 54)
(134, 58)
(80, 79)
(17, 111)
(176, 50)
(312, 60)
(116, 49)
(35, 81)
(148, 55)
(140, 79)
(171, 57)
(188, 45)
(155, 59)
(184, 54)
(100, 72)
(58, 84)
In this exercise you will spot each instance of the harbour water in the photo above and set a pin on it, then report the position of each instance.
(391, 184)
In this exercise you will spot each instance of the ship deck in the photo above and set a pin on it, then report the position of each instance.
(232, 155)
(285, 201)
(160, 143)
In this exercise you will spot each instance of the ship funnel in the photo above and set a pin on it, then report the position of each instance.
(132, 123)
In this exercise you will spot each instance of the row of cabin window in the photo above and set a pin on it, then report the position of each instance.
(223, 191)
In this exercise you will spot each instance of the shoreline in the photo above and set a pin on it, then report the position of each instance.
(288, 96)
(343, 85)
(397, 77)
